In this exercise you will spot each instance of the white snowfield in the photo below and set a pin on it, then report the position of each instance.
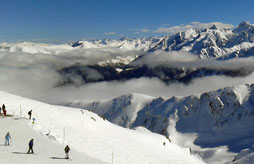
(30, 47)
(89, 136)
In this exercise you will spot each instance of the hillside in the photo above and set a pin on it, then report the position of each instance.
(46, 150)
(86, 133)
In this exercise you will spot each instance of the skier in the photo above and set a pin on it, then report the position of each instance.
(33, 121)
(66, 150)
(4, 111)
(31, 144)
(7, 139)
(30, 114)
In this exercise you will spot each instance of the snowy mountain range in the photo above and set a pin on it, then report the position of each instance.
(212, 44)
(206, 43)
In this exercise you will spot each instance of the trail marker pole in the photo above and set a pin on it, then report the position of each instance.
(20, 110)
(63, 135)
(112, 157)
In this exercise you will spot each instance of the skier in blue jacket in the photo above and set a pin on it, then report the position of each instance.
(7, 139)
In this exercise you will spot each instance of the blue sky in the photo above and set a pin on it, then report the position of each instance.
(69, 20)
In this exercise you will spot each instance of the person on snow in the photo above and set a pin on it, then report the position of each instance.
(7, 139)
(4, 110)
(0, 111)
(31, 144)
(30, 114)
(66, 150)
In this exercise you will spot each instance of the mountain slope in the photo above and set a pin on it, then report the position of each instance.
(97, 138)
(46, 150)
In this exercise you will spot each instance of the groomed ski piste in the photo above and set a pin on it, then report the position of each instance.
(91, 138)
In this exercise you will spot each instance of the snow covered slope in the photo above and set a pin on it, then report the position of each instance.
(89, 133)
(143, 44)
(209, 120)
(121, 111)
(33, 48)
(47, 151)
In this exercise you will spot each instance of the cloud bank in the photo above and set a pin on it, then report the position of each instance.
(35, 75)
(176, 59)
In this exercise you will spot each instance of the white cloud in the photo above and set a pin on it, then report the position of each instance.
(138, 31)
(176, 59)
(144, 30)
(109, 33)
(195, 25)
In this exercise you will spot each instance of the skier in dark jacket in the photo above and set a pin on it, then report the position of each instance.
(30, 114)
(66, 150)
(4, 110)
(31, 144)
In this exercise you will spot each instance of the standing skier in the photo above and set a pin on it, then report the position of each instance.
(31, 144)
(4, 110)
(66, 150)
(30, 114)
(7, 139)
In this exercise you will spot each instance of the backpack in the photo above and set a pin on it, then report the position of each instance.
(67, 149)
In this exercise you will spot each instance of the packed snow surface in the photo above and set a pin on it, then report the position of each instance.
(46, 151)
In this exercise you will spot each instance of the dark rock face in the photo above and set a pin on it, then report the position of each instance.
(166, 74)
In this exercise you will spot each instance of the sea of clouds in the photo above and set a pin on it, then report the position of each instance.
(36, 75)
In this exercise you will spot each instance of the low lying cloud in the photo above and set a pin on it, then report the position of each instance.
(176, 59)
(35, 75)
(194, 25)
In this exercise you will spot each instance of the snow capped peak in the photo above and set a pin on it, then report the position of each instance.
(124, 38)
(244, 26)
(214, 27)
